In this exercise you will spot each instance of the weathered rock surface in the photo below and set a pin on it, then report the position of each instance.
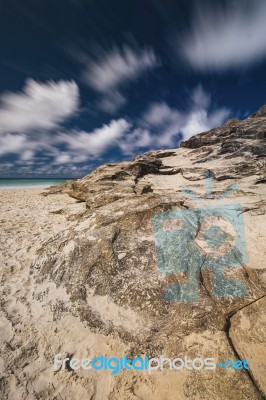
(106, 264)
(247, 332)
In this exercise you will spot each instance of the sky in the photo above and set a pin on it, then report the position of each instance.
(88, 82)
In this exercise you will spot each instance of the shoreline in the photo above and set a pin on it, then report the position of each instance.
(20, 184)
(25, 187)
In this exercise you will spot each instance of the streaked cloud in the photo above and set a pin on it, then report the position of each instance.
(93, 144)
(225, 36)
(117, 66)
(162, 126)
(164, 121)
(110, 70)
(64, 148)
(111, 102)
(159, 114)
(12, 143)
(38, 106)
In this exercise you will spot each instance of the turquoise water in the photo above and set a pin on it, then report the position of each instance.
(29, 183)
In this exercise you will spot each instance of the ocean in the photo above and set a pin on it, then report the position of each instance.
(29, 183)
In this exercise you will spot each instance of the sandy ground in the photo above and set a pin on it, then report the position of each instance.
(36, 321)
(30, 332)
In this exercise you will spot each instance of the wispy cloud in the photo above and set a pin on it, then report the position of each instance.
(118, 66)
(12, 143)
(38, 106)
(93, 144)
(112, 102)
(163, 126)
(200, 116)
(25, 146)
(160, 126)
(224, 37)
(111, 70)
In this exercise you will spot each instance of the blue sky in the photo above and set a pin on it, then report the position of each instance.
(84, 82)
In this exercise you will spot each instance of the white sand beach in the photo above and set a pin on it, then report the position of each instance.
(29, 334)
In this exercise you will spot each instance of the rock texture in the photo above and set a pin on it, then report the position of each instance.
(247, 333)
(104, 266)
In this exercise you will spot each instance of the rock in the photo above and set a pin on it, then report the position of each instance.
(232, 122)
(260, 113)
(187, 384)
(247, 333)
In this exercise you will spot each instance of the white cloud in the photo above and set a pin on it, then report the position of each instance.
(62, 158)
(232, 36)
(136, 140)
(111, 70)
(112, 102)
(25, 146)
(162, 125)
(159, 114)
(164, 121)
(39, 106)
(12, 143)
(198, 120)
(27, 155)
(199, 98)
(199, 117)
(118, 66)
(81, 144)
